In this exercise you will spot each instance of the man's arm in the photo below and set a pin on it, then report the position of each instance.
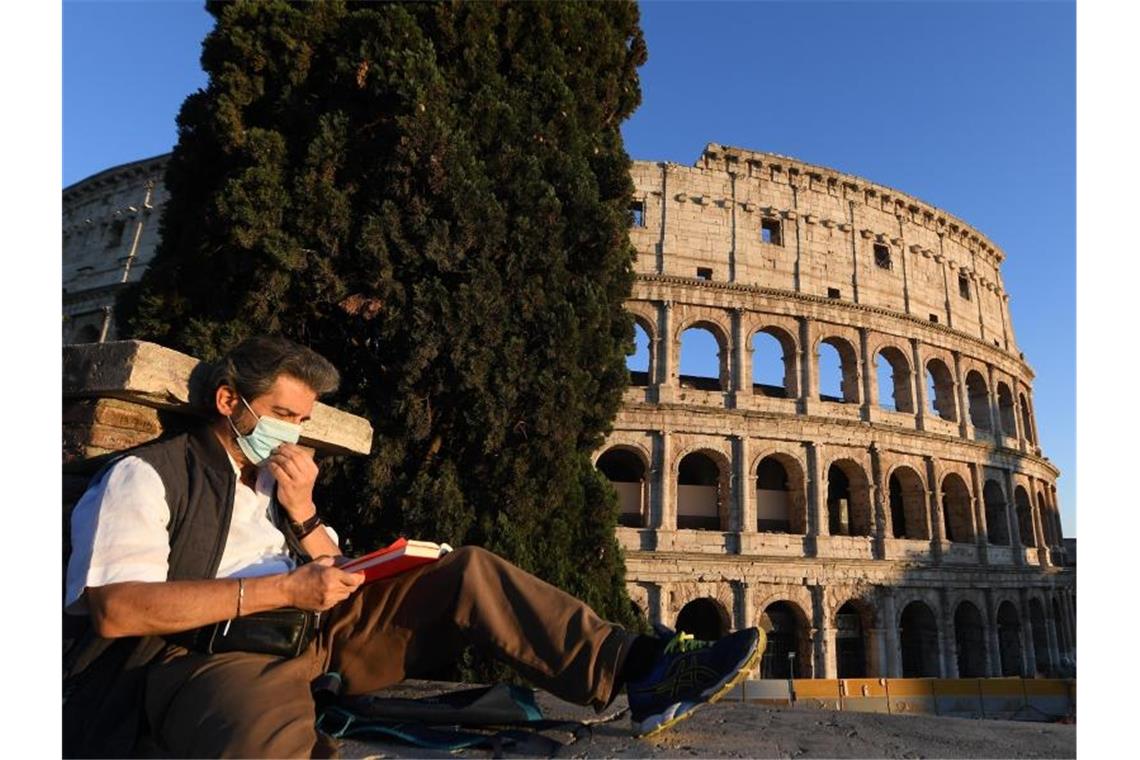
(295, 471)
(136, 608)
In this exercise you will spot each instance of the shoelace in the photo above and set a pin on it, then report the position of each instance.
(684, 642)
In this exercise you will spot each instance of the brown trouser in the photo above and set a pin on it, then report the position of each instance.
(249, 705)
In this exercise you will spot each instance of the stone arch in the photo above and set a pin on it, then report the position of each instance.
(627, 467)
(940, 390)
(997, 528)
(901, 378)
(853, 621)
(722, 381)
(788, 630)
(1009, 639)
(1024, 517)
(639, 377)
(978, 397)
(970, 638)
(789, 384)
(780, 508)
(956, 511)
(703, 489)
(1043, 657)
(848, 369)
(705, 618)
(1006, 412)
(849, 508)
(918, 641)
(906, 497)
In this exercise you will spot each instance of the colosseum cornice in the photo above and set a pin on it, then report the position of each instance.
(907, 207)
(680, 290)
(688, 419)
(96, 183)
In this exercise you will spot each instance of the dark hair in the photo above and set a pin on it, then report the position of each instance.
(253, 365)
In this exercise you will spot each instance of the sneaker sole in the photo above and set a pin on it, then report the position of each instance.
(723, 689)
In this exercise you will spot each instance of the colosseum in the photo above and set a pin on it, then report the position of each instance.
(900, 521)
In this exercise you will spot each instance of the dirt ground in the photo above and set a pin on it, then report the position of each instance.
(734, 729)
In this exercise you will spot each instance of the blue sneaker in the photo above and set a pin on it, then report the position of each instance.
(691, 673)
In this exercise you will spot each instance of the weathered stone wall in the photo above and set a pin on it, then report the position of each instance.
(968, 461)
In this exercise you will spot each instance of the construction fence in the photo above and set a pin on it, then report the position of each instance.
(1037, 699)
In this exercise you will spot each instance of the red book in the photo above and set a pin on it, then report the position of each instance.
(398, 557)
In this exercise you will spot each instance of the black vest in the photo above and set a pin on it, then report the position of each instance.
(103, 678)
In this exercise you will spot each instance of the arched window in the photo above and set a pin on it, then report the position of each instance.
(774, 364)
(705, 618)
(979, 400)
(848, 500)
(781, 504)
(638, 362)
(918, 639)
(997, 528)
(850, 641)
(970, 637)
(698, 493)
(702, 360)
(785, 628)
(1024, 517)
(907, 497)
(1006, 411)
(894, 380)
(1009, 639)
(626, 472)
(838, 371)
(940, 390)
(956, 510)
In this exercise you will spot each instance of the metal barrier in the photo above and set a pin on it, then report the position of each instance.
(998, 698)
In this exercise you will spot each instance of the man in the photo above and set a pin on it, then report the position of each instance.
(186, 537)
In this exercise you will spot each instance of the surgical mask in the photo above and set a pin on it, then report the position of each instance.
(267, 434)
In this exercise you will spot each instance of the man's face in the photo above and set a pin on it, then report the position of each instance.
(287, 399)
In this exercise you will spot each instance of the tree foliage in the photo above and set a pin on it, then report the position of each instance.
(434, 196)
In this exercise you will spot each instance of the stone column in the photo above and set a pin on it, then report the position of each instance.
(745, 604)
(921, 403)
(809, 368)
(1018, 428)
(741, 384)
(891, 624)
(879, 546)
(978, 512)
(992, 635)
(1043, 556)
(656, 600)
(1051, 642)
(937, 523)
(827, 646)
(1011, 519)
(667, 508)
(948, 643)
(965, 426)
(880, 663)
(991, 392)
(667, 353)
(823, 635)
(745, 486)
(816, 493)
(1028, 650)
(870, 381)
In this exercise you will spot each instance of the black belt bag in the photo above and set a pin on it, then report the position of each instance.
(284, 632)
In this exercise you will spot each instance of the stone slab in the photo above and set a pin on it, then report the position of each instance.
(162, 378)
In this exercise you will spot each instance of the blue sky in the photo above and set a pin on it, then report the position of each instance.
(969, 106)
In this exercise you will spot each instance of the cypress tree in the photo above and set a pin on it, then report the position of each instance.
(434, 196)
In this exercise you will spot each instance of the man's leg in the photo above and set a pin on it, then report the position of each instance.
(419, 621)
(233, 705)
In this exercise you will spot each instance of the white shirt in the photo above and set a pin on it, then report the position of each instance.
(119, 532)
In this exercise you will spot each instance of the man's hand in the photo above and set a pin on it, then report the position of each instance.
(318, 585)
(296, 473)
